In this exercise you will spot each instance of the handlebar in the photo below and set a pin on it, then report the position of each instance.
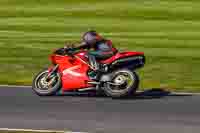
(69, 51)
(64, 51)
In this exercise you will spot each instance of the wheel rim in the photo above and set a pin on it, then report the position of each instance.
(44, 86)
(121, 81)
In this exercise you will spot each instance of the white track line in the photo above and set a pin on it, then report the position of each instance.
(185, 93)
(17, 86)
(31, 130)
(39, 131)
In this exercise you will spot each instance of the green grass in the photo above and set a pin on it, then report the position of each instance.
(167, 31)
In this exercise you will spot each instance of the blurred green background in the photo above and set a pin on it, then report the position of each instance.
(168, 31)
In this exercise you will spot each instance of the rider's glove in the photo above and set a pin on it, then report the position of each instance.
(70, 52)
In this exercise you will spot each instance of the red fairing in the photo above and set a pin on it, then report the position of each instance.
(122, 55)
(73, 71)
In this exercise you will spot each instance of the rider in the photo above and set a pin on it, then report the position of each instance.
(100, 48)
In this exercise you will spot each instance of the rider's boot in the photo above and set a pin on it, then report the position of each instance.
(98, 68)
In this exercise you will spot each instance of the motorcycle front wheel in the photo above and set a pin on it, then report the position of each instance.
(46, 87)
(123, 82)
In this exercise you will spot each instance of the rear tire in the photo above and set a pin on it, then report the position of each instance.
(122, 90)
(39, 84)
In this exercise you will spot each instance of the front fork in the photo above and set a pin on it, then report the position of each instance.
(52, 71)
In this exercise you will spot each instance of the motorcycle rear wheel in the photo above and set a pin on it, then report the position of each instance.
(124, 82)
(42, 87)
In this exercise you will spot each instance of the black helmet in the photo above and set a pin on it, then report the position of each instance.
(91, 37)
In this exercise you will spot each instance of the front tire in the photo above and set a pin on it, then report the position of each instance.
(42, 87)
(127, 84)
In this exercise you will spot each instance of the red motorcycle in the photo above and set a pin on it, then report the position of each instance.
(72, 73)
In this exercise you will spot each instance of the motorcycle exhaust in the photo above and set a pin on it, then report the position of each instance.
(94, 83)
(87, 89)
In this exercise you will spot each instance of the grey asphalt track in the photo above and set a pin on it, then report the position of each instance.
(148, 112)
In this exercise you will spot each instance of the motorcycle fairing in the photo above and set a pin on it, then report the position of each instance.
(73, 71)
(121, 55)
